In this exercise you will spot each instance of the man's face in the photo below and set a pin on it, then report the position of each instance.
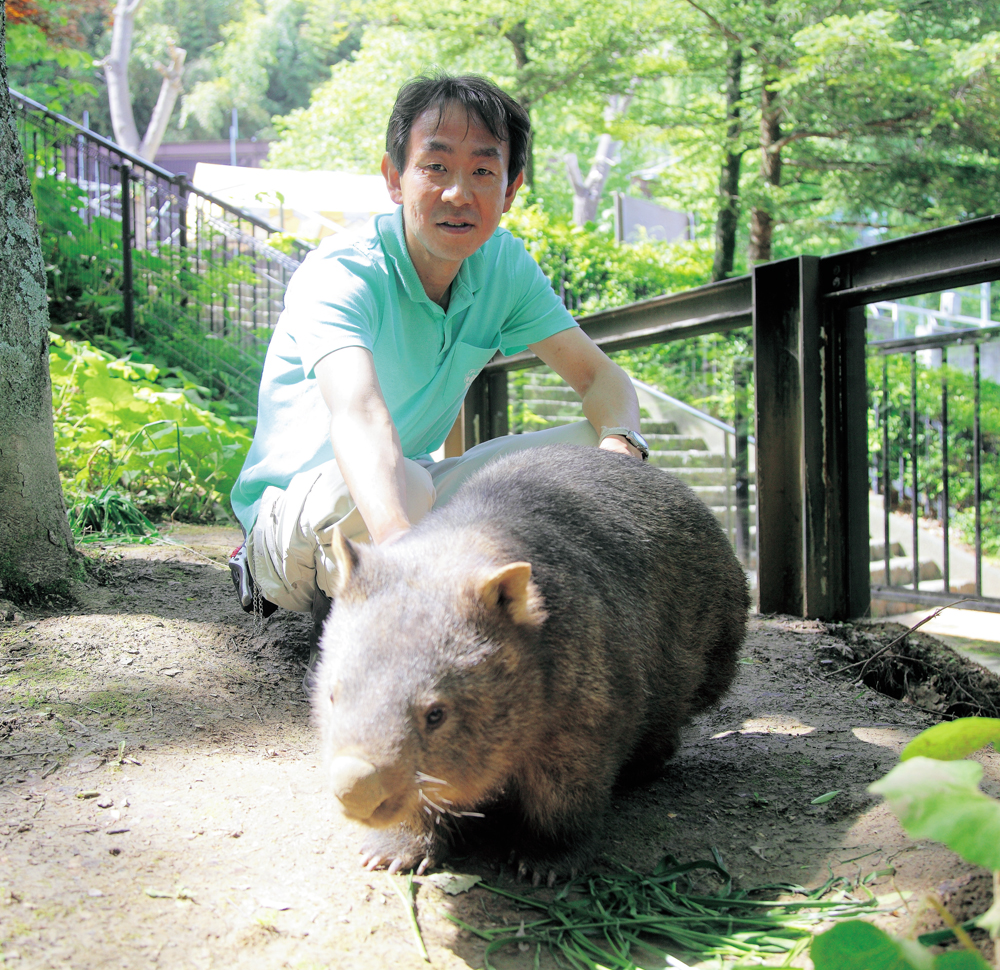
(453, 190)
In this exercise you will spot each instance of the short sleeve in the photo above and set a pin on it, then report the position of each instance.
(332, 303)
(538, 312)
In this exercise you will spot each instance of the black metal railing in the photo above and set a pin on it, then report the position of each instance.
(808, 316)
(195, 280)
(930, 458)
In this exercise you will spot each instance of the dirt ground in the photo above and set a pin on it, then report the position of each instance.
(162, 803)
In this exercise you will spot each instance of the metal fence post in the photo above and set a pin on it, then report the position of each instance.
(128, 293)
(486, 408)
(741, 458)
(811, 402)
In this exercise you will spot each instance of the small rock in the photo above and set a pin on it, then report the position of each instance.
(106, 802)
(171, 672)
(125, 660)
(94, 892)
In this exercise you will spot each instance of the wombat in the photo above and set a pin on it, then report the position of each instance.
(543, 635)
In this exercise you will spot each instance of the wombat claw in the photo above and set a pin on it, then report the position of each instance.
(372, 862)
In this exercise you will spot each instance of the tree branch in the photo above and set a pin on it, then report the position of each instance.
(717, 24)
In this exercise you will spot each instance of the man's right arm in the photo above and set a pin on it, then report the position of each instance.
(365, 440)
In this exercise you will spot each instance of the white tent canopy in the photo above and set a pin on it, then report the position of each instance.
(306, 204)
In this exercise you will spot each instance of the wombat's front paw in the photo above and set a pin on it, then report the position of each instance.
(401, 848)
(549, 867)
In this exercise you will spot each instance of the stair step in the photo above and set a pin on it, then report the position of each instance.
(676, 442)
(877, 550)
(555, 392)
(901, 571)
(963, 586)
(658, 427)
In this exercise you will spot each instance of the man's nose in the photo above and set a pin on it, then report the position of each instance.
(459, 191)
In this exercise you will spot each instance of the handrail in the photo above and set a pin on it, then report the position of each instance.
(973, 335)
(182, 183)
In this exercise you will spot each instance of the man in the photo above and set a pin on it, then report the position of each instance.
(383, 333)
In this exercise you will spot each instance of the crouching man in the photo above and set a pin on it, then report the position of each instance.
(382, 333)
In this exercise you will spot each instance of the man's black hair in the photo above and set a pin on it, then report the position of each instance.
(499, 113)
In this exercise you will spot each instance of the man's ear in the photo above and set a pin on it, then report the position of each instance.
(391, 175)
(510, 590)
(345, 554)
(512, 187)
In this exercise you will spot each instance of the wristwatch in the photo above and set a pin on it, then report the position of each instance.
(635, 439)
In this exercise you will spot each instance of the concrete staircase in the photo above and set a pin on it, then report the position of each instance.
(901, 574)
(692, 445)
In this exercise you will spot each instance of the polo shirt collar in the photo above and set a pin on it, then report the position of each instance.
(470, 278)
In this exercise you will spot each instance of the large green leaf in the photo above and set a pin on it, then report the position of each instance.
(953, 739)
(941, 800)
(856, 945)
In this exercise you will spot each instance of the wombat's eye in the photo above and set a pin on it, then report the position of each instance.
(435, 717)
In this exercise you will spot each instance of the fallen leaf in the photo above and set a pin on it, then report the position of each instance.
(453, 883)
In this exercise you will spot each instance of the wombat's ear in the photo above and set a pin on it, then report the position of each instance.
(345, 554)
(510, 589)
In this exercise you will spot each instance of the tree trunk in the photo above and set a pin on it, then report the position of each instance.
(729, 176)
(119, 95)
(587, 191)
(36, 547)
(518, 37)
(762, 217)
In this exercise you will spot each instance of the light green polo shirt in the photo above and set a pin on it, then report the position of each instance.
(362, 290)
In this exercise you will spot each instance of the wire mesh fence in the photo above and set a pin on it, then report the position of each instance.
(136, 254)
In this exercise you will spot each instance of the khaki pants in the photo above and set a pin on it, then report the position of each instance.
(289, 547)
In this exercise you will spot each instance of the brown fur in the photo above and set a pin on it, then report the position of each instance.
(546, 633)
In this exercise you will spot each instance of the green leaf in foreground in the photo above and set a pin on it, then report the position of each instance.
(941, 800)
(954, 739)
(860, 946)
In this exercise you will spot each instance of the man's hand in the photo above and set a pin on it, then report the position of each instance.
(615, 442)
(365, 441)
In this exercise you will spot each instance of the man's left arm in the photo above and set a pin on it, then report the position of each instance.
(608, 396)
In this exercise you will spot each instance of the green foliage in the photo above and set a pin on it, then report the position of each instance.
(106, 516)
(860, 946)
(592, 272)
(269, 60)
(954, 739)
(941, 800)
(44, 59)
(117, 429)
(183, 315)
(933, 799)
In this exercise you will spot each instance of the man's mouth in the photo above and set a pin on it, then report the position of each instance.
(455, 224)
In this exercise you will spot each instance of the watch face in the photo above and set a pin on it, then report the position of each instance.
(640, 442)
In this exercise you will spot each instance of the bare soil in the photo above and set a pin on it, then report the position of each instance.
(161, 802)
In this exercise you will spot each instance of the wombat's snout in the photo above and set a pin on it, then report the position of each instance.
(357, 784)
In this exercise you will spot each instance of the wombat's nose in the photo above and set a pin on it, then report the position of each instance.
(356, 783)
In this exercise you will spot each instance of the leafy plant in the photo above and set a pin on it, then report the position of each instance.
(935, 796)
(108, 515)
(596, 921)
(118, 431)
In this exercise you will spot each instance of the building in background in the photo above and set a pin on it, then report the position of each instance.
(183, 156)
(637, 220)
